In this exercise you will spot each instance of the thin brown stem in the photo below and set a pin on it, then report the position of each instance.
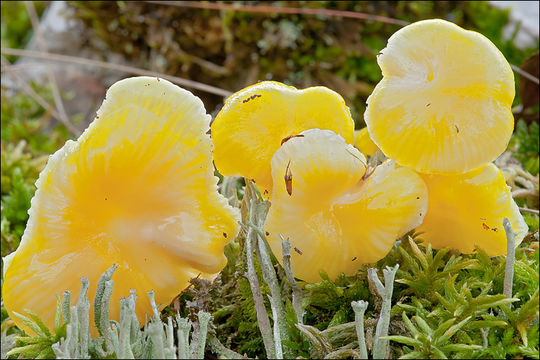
(28, 90)
(281, 10)
(530, 211)
(19, 67)
(59, 104)
(123, 68)
(525, 74)
(524, 193)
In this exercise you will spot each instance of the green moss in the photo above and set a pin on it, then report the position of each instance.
(27, 138)
(16, 26)
(22, 118)
(526, 145)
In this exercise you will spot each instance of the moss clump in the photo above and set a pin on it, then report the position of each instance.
(27, 140)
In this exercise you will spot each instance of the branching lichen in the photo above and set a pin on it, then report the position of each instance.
(385, 292)
(360, 308)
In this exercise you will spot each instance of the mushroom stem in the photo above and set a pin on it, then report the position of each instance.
(385, 292)
(297, 292)
(510, 258)
(262, 316)
(359, 308)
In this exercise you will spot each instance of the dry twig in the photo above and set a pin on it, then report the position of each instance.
(123, 68)
(530, 211)
(19, 67)
(28, 90)
(50, 75)
(281, 10)
(525, 74)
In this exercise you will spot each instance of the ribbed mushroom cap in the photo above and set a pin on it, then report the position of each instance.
(444, 103)
(256, 120)
(335, 220)
(467, 210)
(137, 190)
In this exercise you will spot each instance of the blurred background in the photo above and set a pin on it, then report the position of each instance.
(59, 57)
(223, 47)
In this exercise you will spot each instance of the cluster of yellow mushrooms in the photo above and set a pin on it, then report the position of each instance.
(137, 189)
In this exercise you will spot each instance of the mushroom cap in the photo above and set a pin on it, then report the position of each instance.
(444, 103)
(363, 142)
(254, 122)
(335, 220)
(137, 189)
(467, 210)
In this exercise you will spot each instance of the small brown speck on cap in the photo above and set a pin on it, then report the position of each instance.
(285, 139)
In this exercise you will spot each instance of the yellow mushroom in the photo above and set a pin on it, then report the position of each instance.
(256, 120)
(363, 142)
(467, 210)
(444, 103)
(137, 190)
(335, 218)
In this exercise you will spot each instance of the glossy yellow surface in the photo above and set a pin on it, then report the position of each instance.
(468, 209)
(363, 142)
(444, 103)
(335, 220)
(255, 120)
(136, 189)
